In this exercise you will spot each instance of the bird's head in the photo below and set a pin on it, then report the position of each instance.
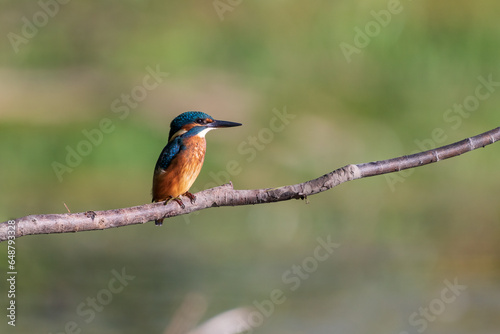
(196, 123)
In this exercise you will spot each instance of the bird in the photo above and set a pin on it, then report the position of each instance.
(181, 159)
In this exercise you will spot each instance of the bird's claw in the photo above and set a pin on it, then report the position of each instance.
(179, 201)
(191, 197)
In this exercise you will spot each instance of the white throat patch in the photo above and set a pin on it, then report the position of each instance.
(203, 132)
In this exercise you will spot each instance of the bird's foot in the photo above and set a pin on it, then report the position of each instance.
(191, 197)
(179, 201)
(159, 222)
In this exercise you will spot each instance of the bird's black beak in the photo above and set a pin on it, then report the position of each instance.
(222, 124)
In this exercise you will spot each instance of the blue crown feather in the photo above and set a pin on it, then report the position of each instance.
(186, 118)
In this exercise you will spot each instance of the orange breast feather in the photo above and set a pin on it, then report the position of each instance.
(182, 171)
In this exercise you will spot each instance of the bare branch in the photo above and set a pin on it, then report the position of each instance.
(225, 195)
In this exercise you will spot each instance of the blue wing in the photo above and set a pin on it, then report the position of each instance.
(169, 152)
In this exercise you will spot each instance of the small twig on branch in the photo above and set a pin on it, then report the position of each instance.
(69, 211)
(225, 195)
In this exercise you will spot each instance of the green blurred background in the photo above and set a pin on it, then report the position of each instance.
(400, 236)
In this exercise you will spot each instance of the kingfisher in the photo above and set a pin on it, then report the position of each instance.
(181, 159)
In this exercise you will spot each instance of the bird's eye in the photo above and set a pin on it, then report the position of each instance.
(201, 121)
